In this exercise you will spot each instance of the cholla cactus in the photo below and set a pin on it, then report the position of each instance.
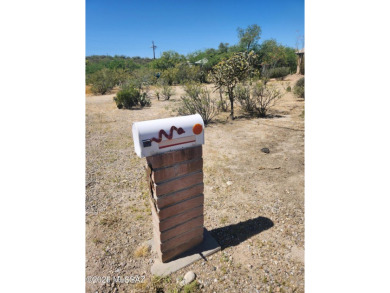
(230, 72)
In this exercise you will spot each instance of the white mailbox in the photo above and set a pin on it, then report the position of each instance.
(162, 135)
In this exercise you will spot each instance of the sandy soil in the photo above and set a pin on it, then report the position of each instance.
(254, 202)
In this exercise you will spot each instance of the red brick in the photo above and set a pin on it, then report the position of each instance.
(180, 239)
(177, 184)
(168, 255)
(175, 220)
(180, 229)
(180, 207)
(174, 157)
(176, 170)
(175, 197)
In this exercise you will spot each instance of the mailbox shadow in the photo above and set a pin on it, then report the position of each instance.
(234, 234)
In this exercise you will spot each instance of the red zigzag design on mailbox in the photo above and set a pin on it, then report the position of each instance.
(162, 132)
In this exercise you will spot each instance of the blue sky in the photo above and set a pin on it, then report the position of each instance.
(128, 27)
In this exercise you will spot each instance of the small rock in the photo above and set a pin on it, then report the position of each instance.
(265, 150)
(215, 280)
(213, 268)
(229, 183)
(188, 278)
(250, 266)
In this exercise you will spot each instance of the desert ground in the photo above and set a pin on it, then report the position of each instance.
(254, 201)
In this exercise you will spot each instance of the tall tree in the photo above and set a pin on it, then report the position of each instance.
(249, 36)
(223, 47)
(271, 53)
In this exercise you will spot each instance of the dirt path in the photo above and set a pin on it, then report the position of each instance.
(254, 202)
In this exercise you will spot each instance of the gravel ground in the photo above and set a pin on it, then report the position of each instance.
(254, 201)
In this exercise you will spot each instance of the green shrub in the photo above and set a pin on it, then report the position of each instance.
(301, 82)
(299, 88)
(130, 97)
(142, 78)
(299, 92)
(169, 76)
(102, 81)
(198, 100)
(188, 73)
(279, 72)
(288, 89)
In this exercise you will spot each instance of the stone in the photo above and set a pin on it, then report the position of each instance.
(265, 150)
(229, 183)
(188, 277)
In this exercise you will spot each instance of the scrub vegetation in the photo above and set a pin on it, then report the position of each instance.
(225, 67)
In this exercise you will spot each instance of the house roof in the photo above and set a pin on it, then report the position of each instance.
(202, 61)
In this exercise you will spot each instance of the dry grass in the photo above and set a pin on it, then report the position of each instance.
(109, 220)
(142, 251)
(88, 90)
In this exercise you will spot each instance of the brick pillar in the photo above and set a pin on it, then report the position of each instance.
(176, 186)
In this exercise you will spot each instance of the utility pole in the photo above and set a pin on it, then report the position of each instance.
(154, 47)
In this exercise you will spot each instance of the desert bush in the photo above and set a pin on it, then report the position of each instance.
(102, 81)
(242, 94)
(144, 101)
(299, 88)
(288, 89)
(264, 96)
(222, 103)
(261, 99)
(300, 82)
(166, 91)
(129, 97)
(193, 90)
(198, 100)
(142, 78)
(279, 72)
(169, 76)
(189, 73)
